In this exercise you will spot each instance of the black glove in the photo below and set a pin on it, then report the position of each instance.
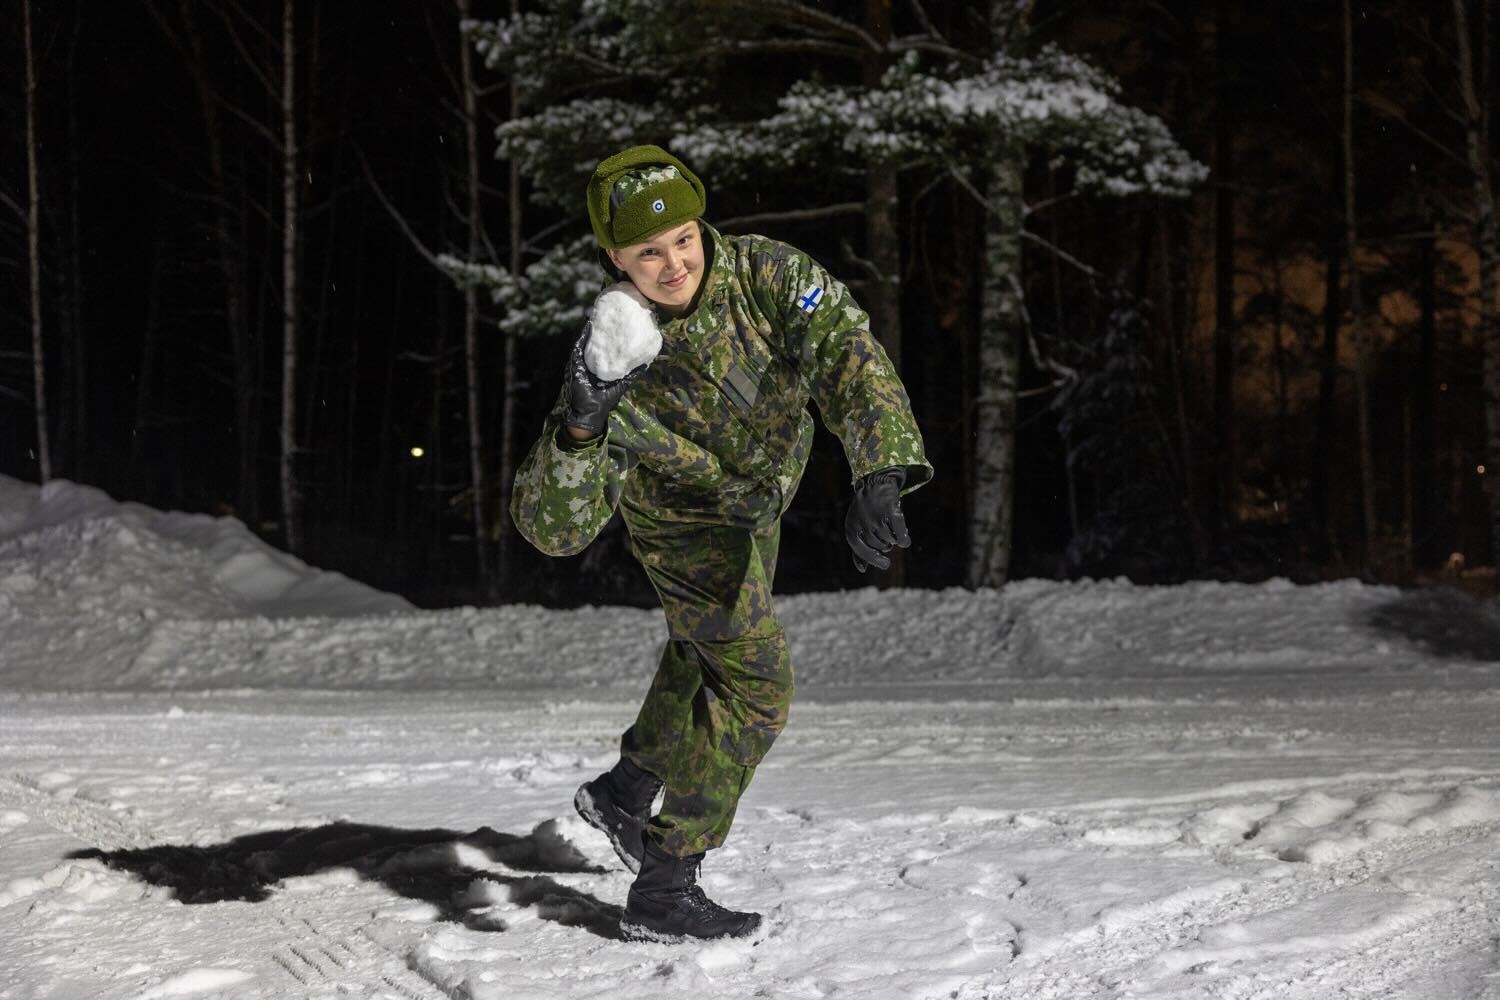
(875, 523)
(590, 400)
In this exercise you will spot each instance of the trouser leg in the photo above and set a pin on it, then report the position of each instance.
(724, 685)
(666, 714)
(738, 709)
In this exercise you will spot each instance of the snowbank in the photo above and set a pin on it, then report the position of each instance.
(96, 594)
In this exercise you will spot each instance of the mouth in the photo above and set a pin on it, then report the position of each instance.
(678, 281)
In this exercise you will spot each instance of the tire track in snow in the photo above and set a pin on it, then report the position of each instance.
(1411, 819)
(1125, 948)
(353, 963)
(1408, 957)
(348, 964)
(1205, 798)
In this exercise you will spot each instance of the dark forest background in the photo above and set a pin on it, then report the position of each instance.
(1188, 403)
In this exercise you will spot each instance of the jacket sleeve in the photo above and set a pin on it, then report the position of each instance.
(565, 493)
(847, 372)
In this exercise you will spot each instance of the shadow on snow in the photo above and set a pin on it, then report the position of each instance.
(426, 865)
(1445, 623)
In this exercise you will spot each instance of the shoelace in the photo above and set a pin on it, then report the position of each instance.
(700, 902)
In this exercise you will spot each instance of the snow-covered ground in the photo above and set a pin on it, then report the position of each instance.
(224, 773)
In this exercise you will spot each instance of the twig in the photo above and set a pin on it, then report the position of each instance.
(795, 215)
(868, 266)
(421, 248)
(1061, 254)
(1389, 110)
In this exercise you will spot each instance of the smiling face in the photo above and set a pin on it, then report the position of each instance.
(668, 268)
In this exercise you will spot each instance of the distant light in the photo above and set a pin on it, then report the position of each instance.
(1443, 387)
(417, 452)
(1479, 469)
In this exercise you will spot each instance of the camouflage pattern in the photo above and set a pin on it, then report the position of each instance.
(635, 181)
(702, 456)
(724, 686)
(717, 430)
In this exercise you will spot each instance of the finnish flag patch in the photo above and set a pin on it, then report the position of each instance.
(809, 299)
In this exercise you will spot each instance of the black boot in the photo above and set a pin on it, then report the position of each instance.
(618, 803)
(666, 904)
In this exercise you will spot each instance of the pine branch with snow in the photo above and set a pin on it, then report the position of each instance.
(1052, 103)
(559, 146)
(566, 45)
(551, 296)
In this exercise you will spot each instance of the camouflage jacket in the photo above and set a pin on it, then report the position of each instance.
(717, 429)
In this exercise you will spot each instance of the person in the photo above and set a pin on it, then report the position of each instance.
(702, 450)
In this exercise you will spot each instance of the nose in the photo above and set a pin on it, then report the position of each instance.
(674, 260)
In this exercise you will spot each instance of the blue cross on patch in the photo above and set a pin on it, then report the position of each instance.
(809, 300)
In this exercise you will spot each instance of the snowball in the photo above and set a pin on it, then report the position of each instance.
(624, 333)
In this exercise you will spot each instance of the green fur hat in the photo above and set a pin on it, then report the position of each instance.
(636, 194)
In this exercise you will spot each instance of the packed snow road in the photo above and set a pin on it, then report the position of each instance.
(294, 844)
(225, 774)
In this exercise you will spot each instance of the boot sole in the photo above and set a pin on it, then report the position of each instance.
(641, 934)
(584, 803)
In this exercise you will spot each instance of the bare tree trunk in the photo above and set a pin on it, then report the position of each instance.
(145, 380)
(1425, 550)
(1327, 421)
(882, 241)
(354, 303)
(1408, 491)
(1070, 473)
(34, 256)
(319, 380)
(1224, 333)
(1474, 83)
(187, 37)
(1356, 306)
(1001, 326)
(478, 481)
(882, 236)
(72, 311)
(1279, 358)
(503, 529)
(230, 261)
(291, 514)
(1173, 313)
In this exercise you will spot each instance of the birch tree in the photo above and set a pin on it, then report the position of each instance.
(469, 95)
(503, 529)
(34, 253)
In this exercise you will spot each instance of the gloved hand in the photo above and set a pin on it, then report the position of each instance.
(589, 399)
(875, 524)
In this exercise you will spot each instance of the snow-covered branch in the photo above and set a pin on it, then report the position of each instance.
(1051, 102)
(559, 145)
(551, 296)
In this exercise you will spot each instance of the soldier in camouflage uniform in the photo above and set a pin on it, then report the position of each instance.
(702, 451)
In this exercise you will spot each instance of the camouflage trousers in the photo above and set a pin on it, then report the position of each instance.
(724, 685)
